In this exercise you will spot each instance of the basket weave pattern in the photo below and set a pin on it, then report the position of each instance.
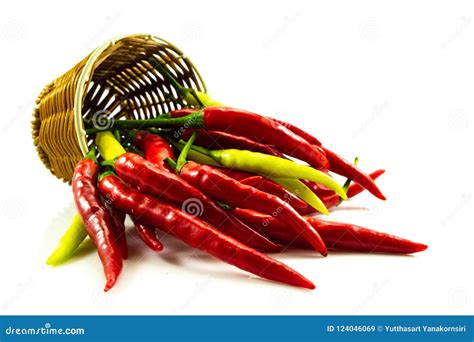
(117, 80)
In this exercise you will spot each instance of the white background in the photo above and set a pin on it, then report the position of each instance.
(390, 83)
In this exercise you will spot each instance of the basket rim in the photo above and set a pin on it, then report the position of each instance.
(86, 74)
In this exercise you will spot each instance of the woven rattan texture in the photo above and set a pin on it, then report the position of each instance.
(122, 83)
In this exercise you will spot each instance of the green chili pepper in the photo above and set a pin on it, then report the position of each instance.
(272, 166)
(69, 242)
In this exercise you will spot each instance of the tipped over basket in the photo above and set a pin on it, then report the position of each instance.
(118, 79)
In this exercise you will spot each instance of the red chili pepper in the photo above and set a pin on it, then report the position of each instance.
(273, 188)
(223, 188)
(237, 175)
(336, 235)
(356, 189)
(350, 237)
(333, 200)
(97, 220)
(344, 168)
(148, 236)
(258, 128)
(155, 148)
(338, 164)
(306, 136)
(221, 140)
(119, 223)
(196, 233)
(146, 177)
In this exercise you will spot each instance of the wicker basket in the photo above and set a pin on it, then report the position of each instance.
(117, 80)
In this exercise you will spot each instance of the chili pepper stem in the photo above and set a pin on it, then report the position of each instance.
(347, 183)
(171, 163)
(184, 152)
(194, 120)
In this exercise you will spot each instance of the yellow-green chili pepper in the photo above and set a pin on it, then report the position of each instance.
(295, 186)
(300, 190)
(69, 242)
(272, 166)
(109, 148)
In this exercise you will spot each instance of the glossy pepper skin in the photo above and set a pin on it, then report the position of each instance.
(148, 236)
(344, 168)
(337, 164)
(306, 136)
(337, 236)
(272, 166)
(109, 147)
(146, 177)
(333, 200)
(119, 224)
(273, 188)
(225, 189)
(220, 140)
(356, 188)
(261, 129)
(98, 221)
(197, 233)
(155, 148)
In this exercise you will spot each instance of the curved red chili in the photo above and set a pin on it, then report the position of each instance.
(223, 188)
(344, 168)
(155, 148)
(306, 136)
(197, 233)
(333, 200)
(146, 177)
(97, 220)
(273, 188)
(261, 129)
(148, 236)
(119, 223)
(336, 235)
(221, 140)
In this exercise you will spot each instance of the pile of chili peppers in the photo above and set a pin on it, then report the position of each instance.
(259, 185)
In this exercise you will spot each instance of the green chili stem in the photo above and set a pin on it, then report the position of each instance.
(199, 149)
(195, 155)
(184, 152)
(194, 120)
(171, 163)
(348, 181)
(106, 173)
(91, 154)
(109, 162)
(183, 91)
